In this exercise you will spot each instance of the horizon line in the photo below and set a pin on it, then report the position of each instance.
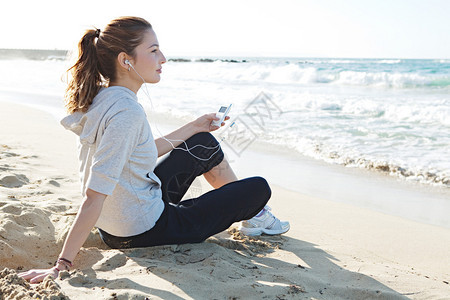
(251, 55)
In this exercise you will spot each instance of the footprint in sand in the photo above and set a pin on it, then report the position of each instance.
(10, 154)
(14, 181)
(54, 183)
(11, 209)
(5, 167)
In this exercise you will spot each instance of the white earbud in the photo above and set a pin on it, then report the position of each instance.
(127, 62)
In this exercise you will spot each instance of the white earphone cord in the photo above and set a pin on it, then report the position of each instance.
(169, 140)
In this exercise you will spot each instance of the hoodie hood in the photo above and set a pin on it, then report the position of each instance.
(86, 124)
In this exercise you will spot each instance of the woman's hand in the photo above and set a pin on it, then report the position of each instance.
(38, 275)
(203, 123)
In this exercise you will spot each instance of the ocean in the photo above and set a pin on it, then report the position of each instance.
(387, 115)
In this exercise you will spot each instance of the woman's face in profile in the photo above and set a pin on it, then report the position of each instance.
(149, 58)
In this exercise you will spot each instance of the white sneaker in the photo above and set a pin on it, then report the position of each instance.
(266, 223)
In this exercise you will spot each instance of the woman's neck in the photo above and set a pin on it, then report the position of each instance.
(126, 82)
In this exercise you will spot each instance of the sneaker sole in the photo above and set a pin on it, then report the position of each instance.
(259, 231)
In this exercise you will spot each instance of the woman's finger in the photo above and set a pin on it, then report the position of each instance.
(27, 275)
(211, 116)
(39, 278)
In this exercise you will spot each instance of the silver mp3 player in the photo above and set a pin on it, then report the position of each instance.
(222, 113)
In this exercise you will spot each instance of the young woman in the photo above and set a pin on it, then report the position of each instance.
(132, 200)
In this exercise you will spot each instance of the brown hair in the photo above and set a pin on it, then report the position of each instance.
(96, 62)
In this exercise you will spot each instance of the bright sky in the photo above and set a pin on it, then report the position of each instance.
(301, 28)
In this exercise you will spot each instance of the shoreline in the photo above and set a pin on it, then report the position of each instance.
(334, 250)
(359, 187)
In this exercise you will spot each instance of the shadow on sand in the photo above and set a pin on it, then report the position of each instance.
(230, 266)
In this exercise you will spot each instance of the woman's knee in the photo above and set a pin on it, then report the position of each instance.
(261, 187)
(204, 138)
(208, 149)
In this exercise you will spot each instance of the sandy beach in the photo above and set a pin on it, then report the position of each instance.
(333, 250)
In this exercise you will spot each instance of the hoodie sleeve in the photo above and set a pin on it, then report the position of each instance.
(118, 141)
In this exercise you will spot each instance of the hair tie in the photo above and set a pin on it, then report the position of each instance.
(97, 33)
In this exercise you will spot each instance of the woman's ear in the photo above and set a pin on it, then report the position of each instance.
(123, 61)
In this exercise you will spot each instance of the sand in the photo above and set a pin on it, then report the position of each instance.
(333, 250)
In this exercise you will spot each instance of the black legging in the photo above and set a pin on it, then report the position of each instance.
(194, 220)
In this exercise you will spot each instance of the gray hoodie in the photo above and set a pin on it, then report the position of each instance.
(118, 156)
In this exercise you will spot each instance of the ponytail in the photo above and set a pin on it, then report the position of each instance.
(86, 80)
